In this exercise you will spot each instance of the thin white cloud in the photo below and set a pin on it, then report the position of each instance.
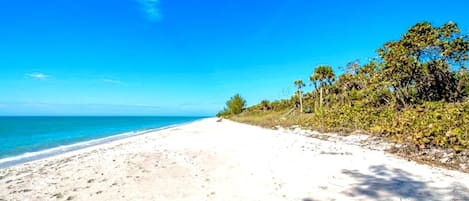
(151, 9)
(39, 76)
(111, 81)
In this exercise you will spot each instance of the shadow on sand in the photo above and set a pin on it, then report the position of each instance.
(383, 183)
(399, 183)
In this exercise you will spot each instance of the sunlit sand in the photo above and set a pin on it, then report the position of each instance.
(210, 160)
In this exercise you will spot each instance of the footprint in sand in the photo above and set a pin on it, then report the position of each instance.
(24, 191)
(211, 194)
(57, 195)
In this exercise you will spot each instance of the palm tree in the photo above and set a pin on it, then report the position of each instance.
(325, 75)
(299, 84)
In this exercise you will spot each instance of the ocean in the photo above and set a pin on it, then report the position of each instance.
(24, 139)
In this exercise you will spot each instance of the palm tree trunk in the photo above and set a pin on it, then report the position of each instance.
(320, 97)
(301, 100)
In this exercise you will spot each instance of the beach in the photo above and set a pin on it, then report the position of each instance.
(210, 160)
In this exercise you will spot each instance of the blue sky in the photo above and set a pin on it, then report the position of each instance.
(184, 57)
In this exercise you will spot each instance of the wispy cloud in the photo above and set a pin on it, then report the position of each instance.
(111, 81)
(151, 9)
(39, 76)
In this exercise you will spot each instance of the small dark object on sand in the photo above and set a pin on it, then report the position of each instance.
(219, 120)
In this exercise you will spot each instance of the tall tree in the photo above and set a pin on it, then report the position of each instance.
(236, 104)
(299, 84)
(324, 75)
(417, 67)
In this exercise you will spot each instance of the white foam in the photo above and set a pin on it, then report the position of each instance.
(30, 156)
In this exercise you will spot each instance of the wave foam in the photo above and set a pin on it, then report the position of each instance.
(31, 156)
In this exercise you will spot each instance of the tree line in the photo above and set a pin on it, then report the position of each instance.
(421, 75)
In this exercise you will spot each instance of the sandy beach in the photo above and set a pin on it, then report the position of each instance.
(210, 160)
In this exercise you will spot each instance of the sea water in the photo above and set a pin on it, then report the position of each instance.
(24, 139)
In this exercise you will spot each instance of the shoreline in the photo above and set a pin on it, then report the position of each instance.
(10, 161)
(210, 160)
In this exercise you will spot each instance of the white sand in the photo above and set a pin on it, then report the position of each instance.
(208, 160)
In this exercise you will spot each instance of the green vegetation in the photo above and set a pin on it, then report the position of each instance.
(234, 106)
(324, 75)
(299, 84)
(415, 93)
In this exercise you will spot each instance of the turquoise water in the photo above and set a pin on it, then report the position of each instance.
(28, 138)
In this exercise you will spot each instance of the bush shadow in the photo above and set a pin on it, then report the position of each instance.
(384, 182)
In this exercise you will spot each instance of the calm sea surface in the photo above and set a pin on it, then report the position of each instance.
(28, 138)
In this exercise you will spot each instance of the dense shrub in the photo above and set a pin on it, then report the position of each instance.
(234, 106)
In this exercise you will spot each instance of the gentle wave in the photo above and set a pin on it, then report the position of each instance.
(31, 156)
